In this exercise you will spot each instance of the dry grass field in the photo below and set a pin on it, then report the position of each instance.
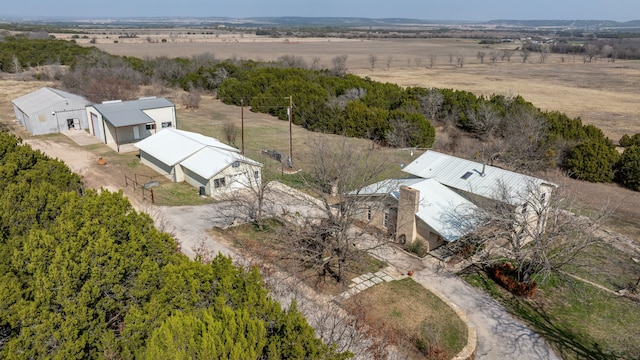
(602, 93)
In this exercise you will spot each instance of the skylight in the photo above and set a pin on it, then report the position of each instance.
(466, 175)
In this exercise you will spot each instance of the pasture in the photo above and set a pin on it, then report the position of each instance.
(601, 93)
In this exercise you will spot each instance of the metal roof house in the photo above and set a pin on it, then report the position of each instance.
(416, 208)
(204, 162)
(478, 179)
(437, 205)
(49, 110)
(124, 122)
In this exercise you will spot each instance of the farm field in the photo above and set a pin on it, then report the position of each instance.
(602, 93)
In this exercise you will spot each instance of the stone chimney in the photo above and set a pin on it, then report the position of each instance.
(407, 208)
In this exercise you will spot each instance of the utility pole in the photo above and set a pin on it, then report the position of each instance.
(290, 131)
(242, 123)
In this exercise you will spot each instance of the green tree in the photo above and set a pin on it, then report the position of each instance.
(628, 168)
(627, 140)
(592, 160)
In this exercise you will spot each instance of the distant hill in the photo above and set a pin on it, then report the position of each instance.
(581, 24)
(295, 21)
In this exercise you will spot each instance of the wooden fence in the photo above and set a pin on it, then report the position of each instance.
(147, 193)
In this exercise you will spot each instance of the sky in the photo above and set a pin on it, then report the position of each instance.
(471, 10)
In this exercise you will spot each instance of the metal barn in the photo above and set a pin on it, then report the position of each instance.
(49, 110)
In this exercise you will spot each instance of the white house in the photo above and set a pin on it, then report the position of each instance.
(202, 161)
(49, 110)
(123, 122)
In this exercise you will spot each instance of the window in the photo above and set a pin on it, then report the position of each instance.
(385, 220)
(256, 174)
(218, 183)
(166, 124)
(369, 213)
(235, 164)
(150, 126)
(524, 207)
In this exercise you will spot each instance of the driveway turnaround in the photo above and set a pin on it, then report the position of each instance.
(500, 335)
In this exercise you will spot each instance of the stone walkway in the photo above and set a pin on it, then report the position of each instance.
(368, 280)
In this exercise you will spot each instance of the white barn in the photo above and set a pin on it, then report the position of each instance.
(204, 162)
(124, 122)
(49, 110)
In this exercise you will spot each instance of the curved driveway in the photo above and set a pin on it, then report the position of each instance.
(500, 336)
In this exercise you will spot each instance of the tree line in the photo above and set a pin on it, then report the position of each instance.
(511, 130)
(86, 276)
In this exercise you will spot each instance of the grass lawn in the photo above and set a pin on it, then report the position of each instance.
(409, 314)
(178, 194)
(579, 320)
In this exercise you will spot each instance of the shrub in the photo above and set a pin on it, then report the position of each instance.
(627, 169)
(505, 275)
(417, 247)
(592, 160)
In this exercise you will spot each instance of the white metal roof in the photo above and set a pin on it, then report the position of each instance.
(474, 177)
(127, 113)
(169, 146)
(386, 187)
(209, 161)
(444, 210)
(205, 140)
(44, 98)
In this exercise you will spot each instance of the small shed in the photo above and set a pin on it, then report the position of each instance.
(48, 110)
(125, 122)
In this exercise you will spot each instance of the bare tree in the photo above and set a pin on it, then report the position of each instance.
(460, 60)
(401, 133)
(480, 56)
(15, 64)
(544, 54)
(432, 61)
(339, 65)
(417, 61)
(250, 198)
(431, 103)
(484, 121)
(493, 56)
(539, 229)
(325, 240)
(506, 54)
(315, 63)
(230, 132)
(191, 99)
(389, 60)
(292, 61)
(372, 61)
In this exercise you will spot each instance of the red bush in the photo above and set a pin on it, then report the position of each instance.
(504, 274)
